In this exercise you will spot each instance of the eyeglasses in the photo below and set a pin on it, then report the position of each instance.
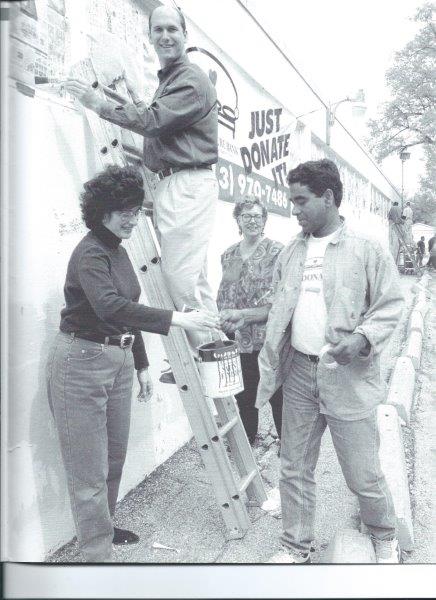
(246, 218)
(127, 215)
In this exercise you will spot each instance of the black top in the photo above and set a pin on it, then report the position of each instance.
(102, 291)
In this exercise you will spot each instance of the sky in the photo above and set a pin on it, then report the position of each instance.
(343, 45)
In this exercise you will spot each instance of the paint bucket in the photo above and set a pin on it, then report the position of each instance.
(220, 368)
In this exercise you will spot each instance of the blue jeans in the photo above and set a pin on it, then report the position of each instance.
(89, 391)
(356, 444)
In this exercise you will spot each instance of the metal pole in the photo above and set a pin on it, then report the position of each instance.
(327, 125)
(402, 185)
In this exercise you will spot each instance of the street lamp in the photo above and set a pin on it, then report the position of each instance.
(359, 109)
(404, 155)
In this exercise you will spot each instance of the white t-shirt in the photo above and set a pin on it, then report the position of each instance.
(310, 314)
(408, 212)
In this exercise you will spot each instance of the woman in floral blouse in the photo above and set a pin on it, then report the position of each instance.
(244, 299)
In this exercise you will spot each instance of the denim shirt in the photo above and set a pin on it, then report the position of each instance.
(362, 295)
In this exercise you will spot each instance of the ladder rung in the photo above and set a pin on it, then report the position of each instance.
(110, 93)
(226, 428)
(247, 480)
(133, 150)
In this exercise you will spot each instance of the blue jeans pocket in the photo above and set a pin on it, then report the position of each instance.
(79, 352)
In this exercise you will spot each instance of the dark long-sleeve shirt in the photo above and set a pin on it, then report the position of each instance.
(394, 214)
(180, 126)
(102, 291)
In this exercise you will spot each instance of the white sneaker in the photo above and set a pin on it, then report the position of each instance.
(289, 557)
(387, 551)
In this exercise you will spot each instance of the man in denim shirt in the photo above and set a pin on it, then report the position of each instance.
(335, 291)
(180, 129)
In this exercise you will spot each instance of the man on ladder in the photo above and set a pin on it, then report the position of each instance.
(394, 218)
(180, 129)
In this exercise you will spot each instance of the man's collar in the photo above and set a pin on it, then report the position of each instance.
(336, 237)
(182, 60)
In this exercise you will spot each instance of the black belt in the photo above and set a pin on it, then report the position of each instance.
(171, 170)
(312, 357)
(123, 341)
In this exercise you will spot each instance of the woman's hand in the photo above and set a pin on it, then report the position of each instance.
(146, 385)
(196, 320)
(231, 320)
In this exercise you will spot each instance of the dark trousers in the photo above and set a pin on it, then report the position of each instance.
(247, 398)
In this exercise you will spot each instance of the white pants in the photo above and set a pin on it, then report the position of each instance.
(184, 212)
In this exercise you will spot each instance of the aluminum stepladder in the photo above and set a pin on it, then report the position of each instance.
(403, 246)
(232, 485)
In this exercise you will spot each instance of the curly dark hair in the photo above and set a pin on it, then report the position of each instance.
(319, 176)
(115, 188)
(249, 202)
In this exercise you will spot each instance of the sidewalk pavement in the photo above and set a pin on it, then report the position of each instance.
(175, 506)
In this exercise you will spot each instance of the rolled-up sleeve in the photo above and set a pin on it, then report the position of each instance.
(181, 104)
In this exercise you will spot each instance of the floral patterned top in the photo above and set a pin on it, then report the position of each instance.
(248, 284)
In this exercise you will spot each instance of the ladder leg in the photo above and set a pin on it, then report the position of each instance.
(241, 450)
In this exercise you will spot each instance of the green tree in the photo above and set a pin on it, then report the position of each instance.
(409, 117)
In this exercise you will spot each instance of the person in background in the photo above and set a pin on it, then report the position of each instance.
(408, 213)
(432, 252)
(91, 363)
(337, 300)
(407, 232)
(180, 129)
(394, 218)
(394, 214)
(407, 224)
(244, 300)
(420, 250)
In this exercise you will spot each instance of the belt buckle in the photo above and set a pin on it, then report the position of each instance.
(126, 340)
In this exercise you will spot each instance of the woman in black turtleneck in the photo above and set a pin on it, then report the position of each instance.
(90, 367)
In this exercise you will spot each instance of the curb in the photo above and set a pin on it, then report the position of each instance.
(349, 546)
(413, 351)
(393, 466)
(397, 411)
(402, 385)
(422, 305)
(416, 321)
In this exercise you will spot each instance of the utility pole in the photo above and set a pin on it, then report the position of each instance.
(404, 155)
